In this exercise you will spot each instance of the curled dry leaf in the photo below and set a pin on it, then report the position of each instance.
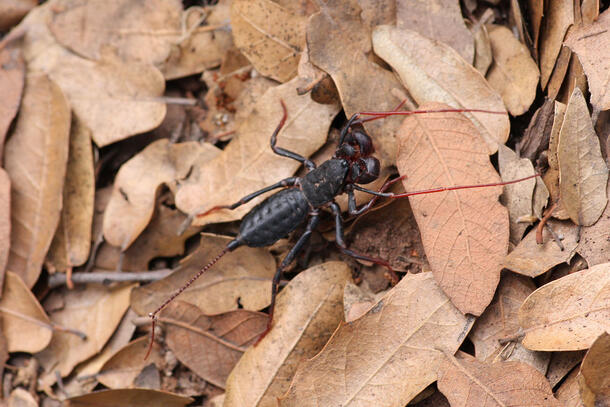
(95, 311)
(137, 31)
(535, 10)
(433, 71)
(532, 259)
(594, 244)
(594, 378)
(568, 392)
(558, 17)
(517, 197)
(127, 363)
(114, 99)
(308, 310)
(36, 156)
(338, 43)
(389, 355)
(12, 79)
(513, 73)
(210, 345)
(482, 48)
(242, 277)
(589, 42)
(440, 20)
(269, 35)
(568, 313)
(464, 249)
(132, 203)
(469, 382)
(583, 173)
(248, 163)
(129, 398)
(5, 221)
(24, 323)
(499, 322)
(72, 241)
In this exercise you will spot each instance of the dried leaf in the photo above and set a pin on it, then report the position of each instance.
(594, 377)
(242, 277)
(205, 45)
(21, 398)
(129, 398)
(561, 364)
(517, 197)
(137, 31)
(5, 222)
(72, 241)
(594, 244)
(468, 382)
(11, 11)
(514, 73)
(389, 355)
(432, 71)
(35, 159)
(122, 369)
(531, 259)
(95, 311)
(114, 99)
(211, 345)
(583, 173)
(440, 20)
(588, 42)
(464, 249)
(135, 187)
(568, 392)
(558, 16)
(248, 163)
(535, 10)
(559, 73)
(308, 309)
(12, 78)
(568, 313)
(339, 42)
(482, 48)
(499, 322)
(24, 323)
(271, 36)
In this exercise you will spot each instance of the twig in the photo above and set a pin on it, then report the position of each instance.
(107, 277)
(556, 237)
(543, 221)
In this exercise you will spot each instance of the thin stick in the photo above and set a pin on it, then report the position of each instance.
(106, 277)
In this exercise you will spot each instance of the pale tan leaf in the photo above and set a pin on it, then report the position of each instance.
(386, 357)
(308, 310)
(24, 323)
(125, 365)
(559, 73)
(137, 31)
(129, 398)
(132, 202)
(594, 244)
(583, 173)
(95, 311)
(35, 158)
(531, 259)
(12, 79)
(72, 241)
(241, 277)
(482, 48)
(21, 398)
(205, 46)
(271, 36)
(469, 382)
(568, 392)
(594, 377)
(248, 163)
(432, 71)
(589, 42)
(5, 222)
(558, 16)
(464, 249)
(11, 11)
(114, 99)
(568, 313)
(339, 42)
(499, 322)
(517, 197)
(513, 73)
(211, 345)
(440, 20)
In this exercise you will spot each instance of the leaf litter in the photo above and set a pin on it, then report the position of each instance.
(201, 82)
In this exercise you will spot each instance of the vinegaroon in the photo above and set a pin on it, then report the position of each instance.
(302, 198)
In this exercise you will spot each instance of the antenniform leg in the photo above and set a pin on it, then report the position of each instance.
(283, 152)
(292, 254)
